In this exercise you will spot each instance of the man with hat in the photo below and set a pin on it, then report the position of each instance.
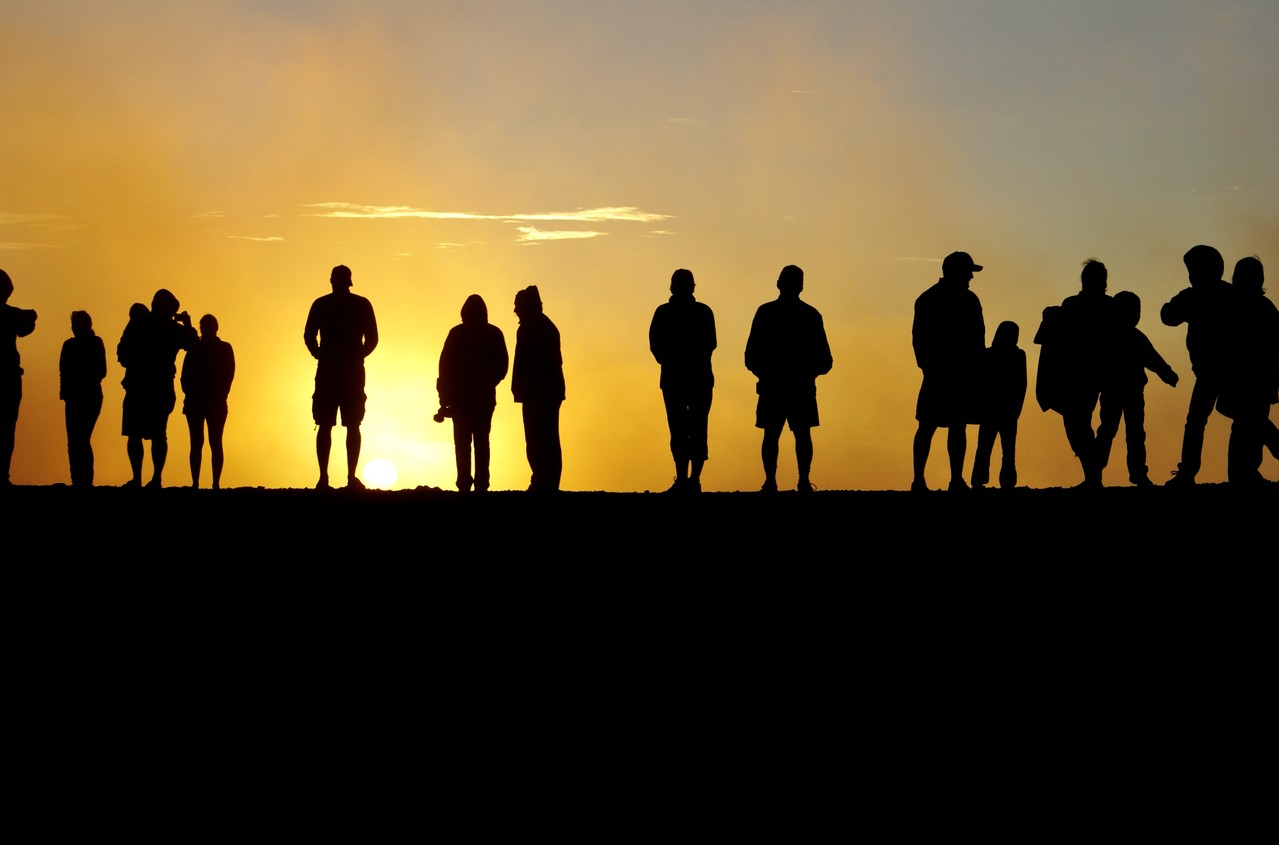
(949, 336)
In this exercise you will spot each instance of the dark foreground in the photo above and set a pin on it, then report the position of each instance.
(621, 650)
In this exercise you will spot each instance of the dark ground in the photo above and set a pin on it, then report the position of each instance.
(633, 650)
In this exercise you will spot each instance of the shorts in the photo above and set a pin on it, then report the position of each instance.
(146, 411)
(338, 388)
(794, 406)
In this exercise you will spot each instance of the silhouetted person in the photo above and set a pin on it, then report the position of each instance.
(682, 339)
(1123, 391)
(472, 363)
(1207, 308)
(787, 350)
(14, 323)
(949, 336)
(340, 333)
(81, 368)
(1003, 393)
(207, 373)
(537, 382)
(148, 351)
(1251, 383)
(1077, 339)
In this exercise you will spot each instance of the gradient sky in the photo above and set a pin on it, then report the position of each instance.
(234, 152)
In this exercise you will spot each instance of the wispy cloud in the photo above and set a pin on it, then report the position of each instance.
(205, 214)
(529, 234)
(661, 232)
(349, 210)
(271, 239)
(14, 218)
(924, 260)
(15, 245)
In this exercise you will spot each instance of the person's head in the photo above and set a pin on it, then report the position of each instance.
(791, 280)
(81, 323)
(1093, 277)
(164, 304)
(6, 286)
(682, 282)
(1249, 275)
(958, 268)
(528, 302)
(474, 310)
(1128, 307)
(208, 327)
(340, 278)
(1204, 264)
(138, 311)
(1006, 335)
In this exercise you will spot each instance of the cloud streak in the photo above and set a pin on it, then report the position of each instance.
(530, 234)
(348, 210)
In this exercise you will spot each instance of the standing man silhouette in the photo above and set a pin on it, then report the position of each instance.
(537, 382)
(787, 350)
(14, 323)
(682, 339)
(1207, 309)
(340, 333)
(81, 368)
(949, 336)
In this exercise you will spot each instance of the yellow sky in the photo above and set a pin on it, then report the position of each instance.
(234, 152)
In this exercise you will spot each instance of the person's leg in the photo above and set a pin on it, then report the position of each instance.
(768, 454)
(981, 459)
(92, 410)
(1008, 445)
(922, 445)
(1135, 438)
(195, 427)
(482, 428)
(134, 448)
(9, 404)
(1270, 437)
(462, 452)
(1203, 397)
(1083, 443)
(217, 423)
(677, 421)
(1112, 409)
(159, 454)
(77, 441)
(698, 450)
(323, 446)
(803, 455)
(353, 442)
(956, 448)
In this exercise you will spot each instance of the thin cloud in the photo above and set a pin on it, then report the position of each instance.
(15, 245)
(661, 232)
(529, 234)
(13, 218)
(271, 239)
(925, 260)
(206, 214)
(348, 210)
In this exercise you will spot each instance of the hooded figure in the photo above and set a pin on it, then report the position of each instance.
(472, 363)
(537, 383)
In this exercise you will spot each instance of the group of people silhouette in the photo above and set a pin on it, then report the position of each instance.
(1092, 354)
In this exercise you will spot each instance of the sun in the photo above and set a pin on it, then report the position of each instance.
(380, 474)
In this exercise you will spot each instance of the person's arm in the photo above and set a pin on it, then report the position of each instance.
(370, 333)
(1175, 310)
(26, 322)
(99, 371)
(311, 334)
(1153, 361)
(657, 337)
(823, 360)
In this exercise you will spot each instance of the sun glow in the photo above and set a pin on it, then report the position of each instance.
(380, 474)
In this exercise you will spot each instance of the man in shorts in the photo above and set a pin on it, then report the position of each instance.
(787, 350)
(949, 336)
(340, 333)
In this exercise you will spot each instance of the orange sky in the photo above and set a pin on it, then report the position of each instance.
(234, 152)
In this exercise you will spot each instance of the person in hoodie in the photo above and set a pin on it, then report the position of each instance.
(682, 339)
(472, 363)
(81, 368)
